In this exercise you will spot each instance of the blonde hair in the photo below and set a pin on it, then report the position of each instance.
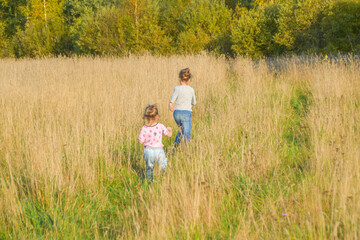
(185, 74)
(151, 111)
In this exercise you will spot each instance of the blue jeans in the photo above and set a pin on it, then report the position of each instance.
(152, 155)
(183, 120)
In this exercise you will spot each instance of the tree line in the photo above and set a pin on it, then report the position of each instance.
(254, 28)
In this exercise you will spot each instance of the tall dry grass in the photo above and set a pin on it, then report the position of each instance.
(274, 151)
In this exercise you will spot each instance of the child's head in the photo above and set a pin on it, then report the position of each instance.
(185, 75)
(151, 113)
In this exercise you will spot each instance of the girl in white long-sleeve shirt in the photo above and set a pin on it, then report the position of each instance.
(184, 98)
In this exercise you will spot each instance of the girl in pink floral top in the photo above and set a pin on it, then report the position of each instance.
(151, 136)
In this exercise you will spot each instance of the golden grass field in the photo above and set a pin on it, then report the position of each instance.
(275, 151)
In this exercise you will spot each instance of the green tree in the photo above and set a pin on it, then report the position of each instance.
(341, 27)
(204, 25)
(233, 4)
(299, 25)
(74, 9)
(3, 40)
(253, 33)
(44, 32)
(143, 29)
(87, 21)
(131, 26)
(169, 17)
(13, 15)
(100, 33)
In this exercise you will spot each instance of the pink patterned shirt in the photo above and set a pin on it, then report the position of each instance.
(152, 136)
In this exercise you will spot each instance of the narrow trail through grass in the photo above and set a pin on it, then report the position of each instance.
(247, 196)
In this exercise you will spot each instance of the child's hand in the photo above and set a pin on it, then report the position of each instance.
(170, 131)
(171, 108)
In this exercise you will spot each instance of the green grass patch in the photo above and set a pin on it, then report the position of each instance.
(297, 147)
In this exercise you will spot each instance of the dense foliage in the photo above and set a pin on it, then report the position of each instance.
(253, 28)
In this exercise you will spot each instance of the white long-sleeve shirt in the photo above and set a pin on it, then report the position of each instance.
(184, 97)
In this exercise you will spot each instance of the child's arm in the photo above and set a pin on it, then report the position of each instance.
(141, 138)
(173, 99)
(169, 131)
(171, 107)
(193, 100)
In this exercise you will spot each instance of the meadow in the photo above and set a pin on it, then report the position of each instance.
(275, 150)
